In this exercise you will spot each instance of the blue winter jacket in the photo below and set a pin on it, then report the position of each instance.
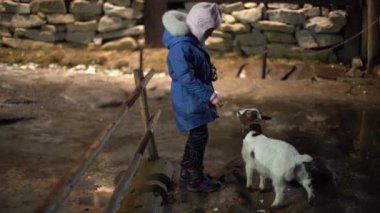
(191, 87)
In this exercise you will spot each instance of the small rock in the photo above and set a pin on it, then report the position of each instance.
(90, 69)
(25, 44)
(283, 6)
(123, 3)
(60, 18)
(138, 5)
(4, 32)
(235, 28)
(288, 16)
(39, 35)
(325, 40)
(127, 13)
(250, 5)
(229, 19)
(323, 25)
(221, 34)
(86, 7)
(276, 26)
(137, 30)
(277, 37)
(312, 11)
(82, 26)
(229, 8)
(255, 38)
(48, 6)
(14, 7)
(112, 23)
(127, 43)
(26, 21)
(249, 15)
(306, 39)
(218, 44)
(80, 37)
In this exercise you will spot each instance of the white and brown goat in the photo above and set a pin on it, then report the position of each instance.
(274, 159)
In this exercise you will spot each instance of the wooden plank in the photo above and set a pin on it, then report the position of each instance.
(68, 182)
(143, 100)
(152, 177)
(126, 178)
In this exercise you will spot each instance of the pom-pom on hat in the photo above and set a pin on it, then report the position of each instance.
(202, 17)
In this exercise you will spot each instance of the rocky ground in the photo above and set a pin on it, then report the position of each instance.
(50, 114)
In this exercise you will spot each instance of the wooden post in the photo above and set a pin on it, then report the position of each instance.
(153, 11)
(373, 33)
(353, 27)
(264, 65)
(139, 76)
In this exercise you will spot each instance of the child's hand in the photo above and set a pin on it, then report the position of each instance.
(216, 101)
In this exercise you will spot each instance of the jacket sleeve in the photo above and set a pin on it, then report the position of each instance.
(182, 71)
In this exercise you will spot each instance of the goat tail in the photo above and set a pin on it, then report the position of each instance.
(303, 158)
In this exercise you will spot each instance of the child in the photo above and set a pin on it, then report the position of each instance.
(192, 94)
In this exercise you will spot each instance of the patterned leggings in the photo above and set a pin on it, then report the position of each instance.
(195, 147)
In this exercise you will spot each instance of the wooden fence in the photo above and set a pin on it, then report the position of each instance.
(69, 181)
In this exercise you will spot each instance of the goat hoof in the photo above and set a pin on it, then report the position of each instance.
(262, 191)
(311, 201)
(251, 189)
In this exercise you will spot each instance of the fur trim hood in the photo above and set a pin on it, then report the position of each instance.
(175, 23)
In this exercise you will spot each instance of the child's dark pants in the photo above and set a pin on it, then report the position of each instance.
(195, 147)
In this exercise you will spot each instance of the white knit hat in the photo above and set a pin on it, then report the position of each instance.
(203, 16)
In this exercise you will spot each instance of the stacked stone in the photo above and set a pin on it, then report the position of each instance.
(286, 29)
(114, 24)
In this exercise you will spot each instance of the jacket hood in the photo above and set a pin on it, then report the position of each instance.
(176, 29)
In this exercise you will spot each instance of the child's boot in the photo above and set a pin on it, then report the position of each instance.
(198, 182)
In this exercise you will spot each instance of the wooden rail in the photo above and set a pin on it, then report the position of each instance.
(68, 182)
(126, 178)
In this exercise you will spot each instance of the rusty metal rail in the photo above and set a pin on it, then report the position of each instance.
(68, 182)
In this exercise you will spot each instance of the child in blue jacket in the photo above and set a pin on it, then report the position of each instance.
(192, 94)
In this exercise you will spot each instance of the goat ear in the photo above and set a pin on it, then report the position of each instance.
(238, 114)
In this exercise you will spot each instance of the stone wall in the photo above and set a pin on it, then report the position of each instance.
(111, 24)
(288, 30)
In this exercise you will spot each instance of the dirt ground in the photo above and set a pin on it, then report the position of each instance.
(49, 115)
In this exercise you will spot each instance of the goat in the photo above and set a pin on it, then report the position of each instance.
(274, 159)
(277, 160)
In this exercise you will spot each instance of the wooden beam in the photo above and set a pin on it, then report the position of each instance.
(373, 34)
(153, 11)
(353, 27)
